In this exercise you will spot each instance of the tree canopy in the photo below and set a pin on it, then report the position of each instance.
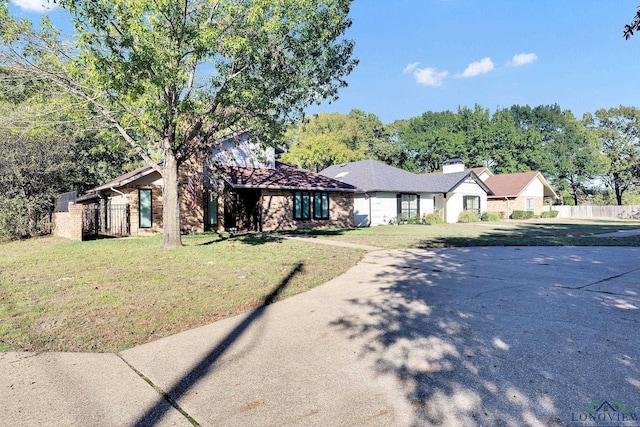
(329, 138)
(172, 76)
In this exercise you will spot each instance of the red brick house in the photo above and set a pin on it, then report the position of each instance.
(239, 187)
(526, 191)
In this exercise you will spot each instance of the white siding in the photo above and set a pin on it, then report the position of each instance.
(384, 207)
(243, 153)
(455, 199)
(361, 210)
(534, 189)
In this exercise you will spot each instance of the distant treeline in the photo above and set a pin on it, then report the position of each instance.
(594, 158)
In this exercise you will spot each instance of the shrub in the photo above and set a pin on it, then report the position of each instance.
(522, 215)
(549, 214)
(432, 218)
(14, 218)
(414, 220)
(492, 216)
(468, 216)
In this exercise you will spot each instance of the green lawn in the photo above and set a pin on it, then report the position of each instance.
(107, 295)
(552, 232)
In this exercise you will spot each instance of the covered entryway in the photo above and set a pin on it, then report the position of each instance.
(242, 210)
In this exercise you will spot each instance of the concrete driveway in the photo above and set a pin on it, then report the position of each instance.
(503, 336)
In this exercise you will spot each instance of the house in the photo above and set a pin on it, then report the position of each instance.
(239, 186)
(386, 192)
(525, 191)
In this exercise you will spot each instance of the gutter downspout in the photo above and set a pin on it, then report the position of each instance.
(118, 191)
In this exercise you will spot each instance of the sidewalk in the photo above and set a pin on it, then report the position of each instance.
(321, 241)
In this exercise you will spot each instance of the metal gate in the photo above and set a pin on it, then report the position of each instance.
(105, 220)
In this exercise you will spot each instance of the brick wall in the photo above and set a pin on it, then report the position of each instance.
(277, 211)
(191, 217)
(68, 224)
(517, 204)
(131, 193)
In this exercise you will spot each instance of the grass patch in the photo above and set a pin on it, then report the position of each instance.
(547, 232)
(108, 295)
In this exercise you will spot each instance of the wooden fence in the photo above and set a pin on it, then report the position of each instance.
(610, 212)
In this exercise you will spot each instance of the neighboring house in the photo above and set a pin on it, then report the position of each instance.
(386, 192)
(525, 191)
(239, 186)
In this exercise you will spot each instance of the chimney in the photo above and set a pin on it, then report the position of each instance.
(453, 165)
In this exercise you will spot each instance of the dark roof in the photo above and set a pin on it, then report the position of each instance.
(282, 177)
(371, 176)
(512, 184)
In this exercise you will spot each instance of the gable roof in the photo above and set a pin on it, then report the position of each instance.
(447, 182)
(372, 176)
(481, 169)
(283, 177)
(513, 184)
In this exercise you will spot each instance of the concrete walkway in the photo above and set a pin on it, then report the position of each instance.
(621, 233)
(321, 241)
(502, 336)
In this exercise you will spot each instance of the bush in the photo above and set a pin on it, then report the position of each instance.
(492, 216)
(468, 216)
(14, 218)
(432, 218)
(414, 220)
(549, 214)
(522, 215)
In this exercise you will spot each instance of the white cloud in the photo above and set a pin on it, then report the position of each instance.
(409, 68)
(522, 59)
(429, 76)
(34, 5)
(483, 66)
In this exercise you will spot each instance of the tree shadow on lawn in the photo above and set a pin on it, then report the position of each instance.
(537, 234)
(251, 238)
(475, 337)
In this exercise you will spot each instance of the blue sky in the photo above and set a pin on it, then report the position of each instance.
(436, 55)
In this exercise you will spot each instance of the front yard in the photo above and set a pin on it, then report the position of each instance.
(548, 232)
(108, 295)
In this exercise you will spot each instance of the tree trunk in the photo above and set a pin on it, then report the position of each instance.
(170, 203)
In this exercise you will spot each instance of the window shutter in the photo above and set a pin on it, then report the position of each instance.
(418, 205)
(399, 203)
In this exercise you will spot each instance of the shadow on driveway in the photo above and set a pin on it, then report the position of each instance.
(506, 336)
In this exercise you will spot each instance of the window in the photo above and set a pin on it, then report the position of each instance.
(321, 205)
(144, 208)
(409, 205)
(302, 205)
(471, 203)
(530, 204)
(212, 209)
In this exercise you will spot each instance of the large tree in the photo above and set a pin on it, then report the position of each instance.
(427, 141)
(619, 130)
(572, 158)
(325, 139)
(174, 75)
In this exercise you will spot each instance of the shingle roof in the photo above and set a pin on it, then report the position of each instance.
(371, 176)
(126, 178)
(512, 184)
(282, 177)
